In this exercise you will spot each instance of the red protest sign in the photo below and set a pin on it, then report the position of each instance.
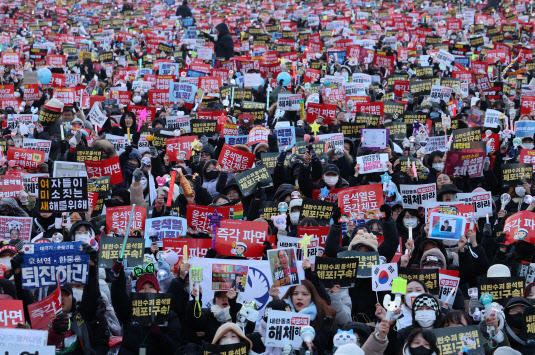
(198, 216)
(232, 159)
(179, 146)
(137, 109)
(332, 196)
(361, 202)
(241, 238)
(527, 156)
(107, 167)
(258, 134)
(117, 219)
(318, 234)
(520, 226)
(527, 105)
(42, 312)
(311, 75)
(11, 313)
(65, 95)
(197, 247)
(209, 84)
(25, 158)
(462, 163)
(374, 108)
(10, 58)
(56, 60)
(10, 186)
(7, 91)
(401, 86)
(328, 112)
(31, 92)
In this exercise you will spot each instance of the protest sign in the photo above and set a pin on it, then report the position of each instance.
(65, 194)
(249, 180)
(11, 313)
(437, 143)
(318, 233)
(372, 163)
(46, 263)
(20, 338)
(529, 321)
(454, 340)
(415, 196)
(241, 238)
(525, 128)
(227, 349)
(25, 158)
(293, 242)
(374, 138)
(482, 201)
(316, 209)
(493, 118)
(119, 142)
(148, 308)
(182, 92)
(107, 167)
(383, 276)
(232, 159)
(97, 115)
(326, 111)
(519, 226)
(164, 227)
(366, 261)
(88, 154)
(257, 135)
(335, 271)
(282, 263)
(284, 328)
(198, 216)
(332, 195)
(179, 147)
(69, 169)
(110, 249)
(15, 228)
(463, 137)
(42, 312)
(117, 219)
(229, 277)
(513, 172)
(288, 102)
(361, 202)
(37, 144)
(462, 163)
(446, 226)
(502, 288)
(429, 277)
(197, 247)
(285, 137)
(448, 281)
(10, 186)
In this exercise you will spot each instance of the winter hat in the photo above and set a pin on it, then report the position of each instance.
(448, 188)
(433, 256)
(506, 350)
(498, 270)
(8, 250)
(134, 154)
(349, 349)
(150, 278)
(235, 328)
(362, 238)
(331, 168)
(66, 288)
(425, 299)
(260, 145)
(50, 111)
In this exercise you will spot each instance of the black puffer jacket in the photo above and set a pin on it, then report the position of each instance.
(224, 46)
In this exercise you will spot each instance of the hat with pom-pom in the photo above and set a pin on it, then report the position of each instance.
(363, 238)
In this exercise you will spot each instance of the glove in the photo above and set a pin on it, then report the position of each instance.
(61, 323)
(387, 211)
(88, 249)
(117, 267)
(155, 329)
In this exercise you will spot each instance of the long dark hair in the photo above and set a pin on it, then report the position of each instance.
(324, 310)
(428, 335)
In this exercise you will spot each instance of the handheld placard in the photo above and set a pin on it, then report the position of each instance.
(127, 231)
(195, 275)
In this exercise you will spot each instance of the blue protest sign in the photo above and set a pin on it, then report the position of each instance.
(182, 91)
(164, 227)
(525, 128)
(44, 263)
(285, 137)
(233, 140)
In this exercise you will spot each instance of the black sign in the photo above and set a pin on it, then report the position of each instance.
(366, 261)
(455, 340)
(335, 271)
(502, 288)
(203, 127)
(67, 194)
(228, 349)
(317, 209)
(110, 248)
(429, 277)
(250, 179)
(148, 308)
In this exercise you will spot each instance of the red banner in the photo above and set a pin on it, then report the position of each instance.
(42, 312)
(527, 156)
(179, 146)
(25, 158)
(198, 216)
(527, 105)
(107, 167)
(319, 235)
(117, 219)
(31, 92)
(462, 163)
(361, 202)
(11, 313)
(374, 108)
(241, 238)
(520, 226)
(232, 159)
(197, 247)
(332, 196)
(10, 186)
(328, 112)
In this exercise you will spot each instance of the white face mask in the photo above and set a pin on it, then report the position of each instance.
(143, 182)
(411, 296)
(77, 293)
(136, 99)
(527, 145)
(330, 180)
(425, 317)
(411, 222)
(438, 166)
(294, 217)
(82, 237)
(520, 191)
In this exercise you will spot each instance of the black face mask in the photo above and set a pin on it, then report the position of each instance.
(516, 321)
(211, 175)
(420, 350)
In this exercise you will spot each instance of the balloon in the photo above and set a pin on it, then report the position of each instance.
(285, 77)
(170, 257)
(44, 75)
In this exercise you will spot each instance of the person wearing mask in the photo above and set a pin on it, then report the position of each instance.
(421, 342)
(515, 324)
(223, 43)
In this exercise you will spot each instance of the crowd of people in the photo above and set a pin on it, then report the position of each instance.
(399, 132)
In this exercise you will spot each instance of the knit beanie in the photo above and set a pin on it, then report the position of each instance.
(150, 278)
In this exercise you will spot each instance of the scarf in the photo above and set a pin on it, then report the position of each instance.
(221, 314)
(311, 310)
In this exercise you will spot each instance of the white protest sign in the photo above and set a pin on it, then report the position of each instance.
(30, 182)
(119, 142)
(69, 169)
(29, 349)
(37, 144)
(444, 57)
(435, 143)
(336, 140)
(448, 282)
(96, 116)
(251, 80)
(16, 337)
(372, 163)
(439, 92)
(415, 196)
(492, 118)
(481, 200)
(362, 79)
(289, 102)
(355, 89)
(374, 138)
(293, 242)
(383, 276)
(284, 328)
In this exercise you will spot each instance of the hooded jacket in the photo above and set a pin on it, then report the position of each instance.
(224, 46)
